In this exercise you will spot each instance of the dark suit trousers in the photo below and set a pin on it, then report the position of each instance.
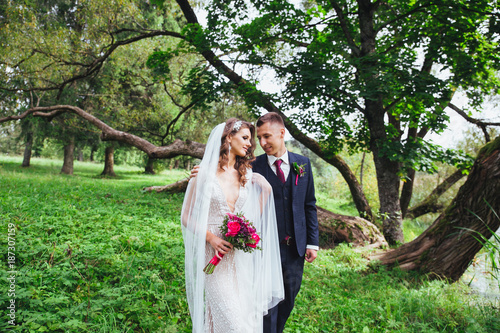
(293, 267)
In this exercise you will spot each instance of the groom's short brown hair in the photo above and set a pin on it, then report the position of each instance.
(270, 117)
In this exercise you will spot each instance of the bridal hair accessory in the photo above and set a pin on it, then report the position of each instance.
(237, 125)
(240, 232)
(300, 170)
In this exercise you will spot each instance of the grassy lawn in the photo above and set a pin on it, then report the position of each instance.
(97, 254)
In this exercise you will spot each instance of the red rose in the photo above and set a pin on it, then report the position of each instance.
(256, 238)
(233, 228)
(255, 241)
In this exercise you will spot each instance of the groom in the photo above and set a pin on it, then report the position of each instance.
(290, 176)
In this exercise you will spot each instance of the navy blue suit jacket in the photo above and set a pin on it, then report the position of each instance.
(305, 220)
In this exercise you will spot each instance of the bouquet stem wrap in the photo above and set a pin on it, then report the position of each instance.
(210, 267)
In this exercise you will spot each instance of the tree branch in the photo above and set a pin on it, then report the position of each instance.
(345, 28)
(94, 66)
(481, 124)
(178, 147)
(430, 203)
(262, 100)
(404, 15)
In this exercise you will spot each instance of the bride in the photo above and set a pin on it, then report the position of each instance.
(243, 285)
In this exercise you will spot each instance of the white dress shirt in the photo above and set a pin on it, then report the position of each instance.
(285, 167)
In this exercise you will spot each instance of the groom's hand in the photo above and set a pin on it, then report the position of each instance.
(194, 171)
(311, 255)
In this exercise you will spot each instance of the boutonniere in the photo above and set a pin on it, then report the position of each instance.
(300, 170)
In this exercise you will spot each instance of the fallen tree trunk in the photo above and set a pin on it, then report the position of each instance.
(336, 228)
(177, 187)
(448, 246)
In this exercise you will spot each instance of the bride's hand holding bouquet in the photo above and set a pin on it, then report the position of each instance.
(239, 233)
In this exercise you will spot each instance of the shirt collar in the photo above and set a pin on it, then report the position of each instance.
(271, 158)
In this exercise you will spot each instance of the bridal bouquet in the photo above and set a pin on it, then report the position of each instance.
(240, 232)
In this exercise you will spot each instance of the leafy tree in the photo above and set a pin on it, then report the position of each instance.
(353, 68)
(363, 74)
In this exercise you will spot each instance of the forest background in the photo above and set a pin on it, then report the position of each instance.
(372, 80)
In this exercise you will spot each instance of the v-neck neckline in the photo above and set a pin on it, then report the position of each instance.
(225, 198)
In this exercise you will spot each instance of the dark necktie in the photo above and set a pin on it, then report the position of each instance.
(279, 172)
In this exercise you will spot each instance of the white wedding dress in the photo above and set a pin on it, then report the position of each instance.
(243, 286)
(224, 310)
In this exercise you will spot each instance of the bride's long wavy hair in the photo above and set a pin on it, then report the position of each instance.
(242, 162)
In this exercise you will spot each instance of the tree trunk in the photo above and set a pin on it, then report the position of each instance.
(109, 162)
(176, 187)
(388, 192)
(80, 154)
(69, 156)
(92, 151)
(176, 164)
(387, 174)
(336, 228)
(27, 150)
(150, 167)
(361, 170)
(407, 192)
(448, 246)
(375, 113)
(430, 204)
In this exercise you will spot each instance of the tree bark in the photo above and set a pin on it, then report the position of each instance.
(375, 113)
(361, 170)
(93, 149)
(430, 204)
(109, 162)
(407, 192)
(336, 228)
(388, 189)
(69, 156)
(27, 150)
(176, 148)
(448, 246)
(177, 187)
(150, 167)
(80, 154)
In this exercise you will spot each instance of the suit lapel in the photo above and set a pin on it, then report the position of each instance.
(292, 175)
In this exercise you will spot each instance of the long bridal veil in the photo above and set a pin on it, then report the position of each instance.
(259, 275)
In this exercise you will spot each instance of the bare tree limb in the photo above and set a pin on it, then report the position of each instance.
(481, 124)
(430, 204)
(176, 148)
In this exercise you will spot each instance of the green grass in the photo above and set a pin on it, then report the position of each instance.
(99, 255)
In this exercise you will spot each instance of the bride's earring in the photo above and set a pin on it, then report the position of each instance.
(229, 149)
